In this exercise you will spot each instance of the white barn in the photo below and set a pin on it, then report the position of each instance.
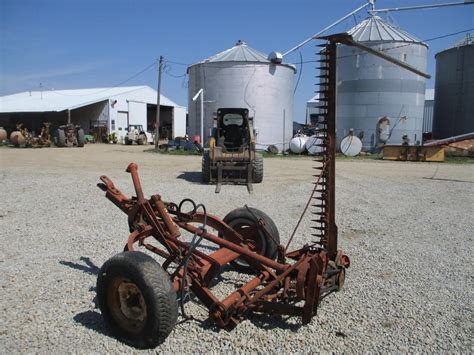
(97, 111)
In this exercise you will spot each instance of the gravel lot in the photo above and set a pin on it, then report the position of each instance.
(408, 228)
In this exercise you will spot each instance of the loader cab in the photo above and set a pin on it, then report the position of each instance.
(232, 129)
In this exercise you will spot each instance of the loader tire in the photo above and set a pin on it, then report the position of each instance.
(137, 299)
(206, 167)
(127, 141)
(60, 138)
(257, 169)
(142, 140)
(80, 138)
(265, 243)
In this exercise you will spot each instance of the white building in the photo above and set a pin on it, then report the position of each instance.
(97, 111)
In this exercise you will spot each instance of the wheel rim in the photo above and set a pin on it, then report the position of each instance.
(252, 235)
(127, 305)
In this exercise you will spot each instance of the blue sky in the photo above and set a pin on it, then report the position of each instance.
(66, 44)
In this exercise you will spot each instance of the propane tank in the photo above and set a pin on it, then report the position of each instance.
(297, 144)
(3, 135)
(17, 139)
(351, 145)
(313, 145)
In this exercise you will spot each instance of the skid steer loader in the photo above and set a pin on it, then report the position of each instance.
(231, 156)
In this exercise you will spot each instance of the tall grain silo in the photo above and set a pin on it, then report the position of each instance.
(370, 89)
(244, 77)
(454, 90)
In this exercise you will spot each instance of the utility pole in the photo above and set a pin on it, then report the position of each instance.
(157, 123)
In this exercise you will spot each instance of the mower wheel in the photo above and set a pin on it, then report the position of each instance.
(206, 167)
(263, 241)
(137, 299)
(257, 169)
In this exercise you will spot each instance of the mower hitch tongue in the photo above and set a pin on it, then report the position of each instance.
(139, 297)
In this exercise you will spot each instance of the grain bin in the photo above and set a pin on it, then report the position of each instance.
(242, 77)
(370, 88)
(454, 90)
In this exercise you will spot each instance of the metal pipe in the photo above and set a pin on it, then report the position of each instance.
(327, 28)
(234, 247)
(418, 7)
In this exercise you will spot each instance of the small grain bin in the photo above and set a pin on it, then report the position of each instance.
(242, 77)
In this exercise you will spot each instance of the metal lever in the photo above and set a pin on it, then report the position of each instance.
(133, 169)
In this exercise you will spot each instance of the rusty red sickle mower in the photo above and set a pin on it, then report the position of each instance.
(138, 297)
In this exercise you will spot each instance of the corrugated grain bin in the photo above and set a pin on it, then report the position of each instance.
(454, 90)
(242, 77)
(370, 88)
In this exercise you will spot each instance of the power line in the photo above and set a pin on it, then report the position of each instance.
(112, 87)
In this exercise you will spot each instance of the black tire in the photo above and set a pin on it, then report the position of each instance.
(206, 167)
(137, 299)
(242, 218)
(128, 141)
(60, 138)
(142, 140)
(257, 169)
(80, 138)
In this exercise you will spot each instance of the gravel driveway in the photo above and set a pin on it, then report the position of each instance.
(408, 228)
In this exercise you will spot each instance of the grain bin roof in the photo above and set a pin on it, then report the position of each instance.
(60, 100)
(238, 53)
(468, 40)
(375, 29)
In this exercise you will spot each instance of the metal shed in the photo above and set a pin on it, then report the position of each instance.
(112, 109)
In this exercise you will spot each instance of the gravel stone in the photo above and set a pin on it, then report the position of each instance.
(407, 227)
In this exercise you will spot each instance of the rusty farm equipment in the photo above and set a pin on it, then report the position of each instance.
(22, 137)
(138, 296)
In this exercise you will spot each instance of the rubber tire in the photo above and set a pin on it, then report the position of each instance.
(268, 246)
(206, 167)
(127, 141)
(257, 169)
(80, 138)
(60, 138)
(142, 140)
(158, 294)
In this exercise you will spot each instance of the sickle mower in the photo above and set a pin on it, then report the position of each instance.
(138, 296)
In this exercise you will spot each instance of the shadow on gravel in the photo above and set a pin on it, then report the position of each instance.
(89, 267)
(270, 322)
(191, 176)
(92, 320)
